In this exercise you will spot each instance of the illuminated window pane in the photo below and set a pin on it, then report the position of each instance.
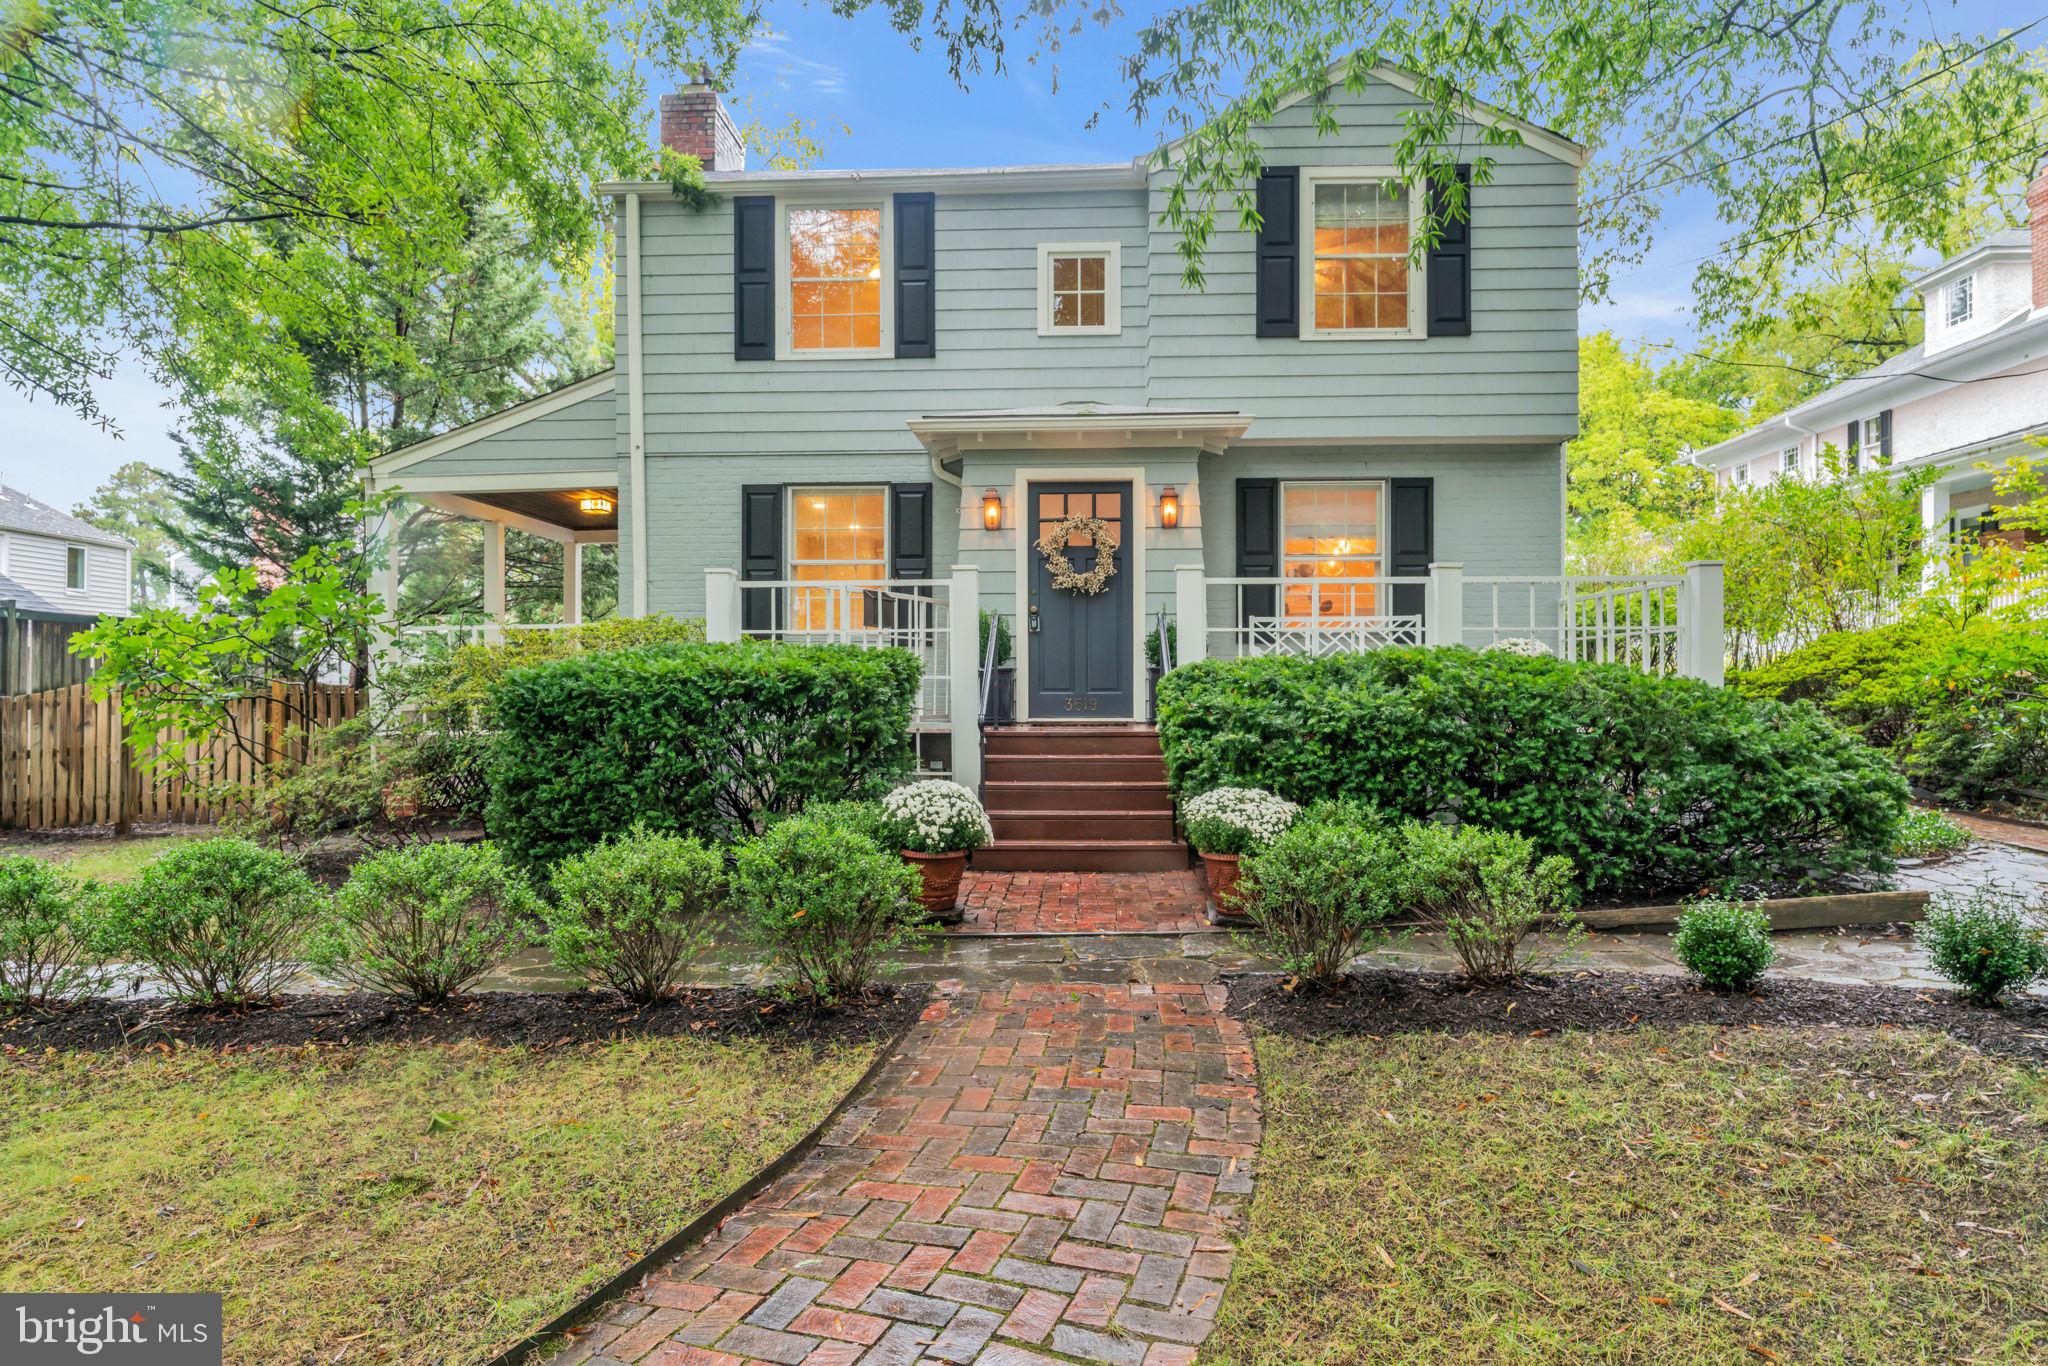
(1330, 531)
(837, 536)
(835, 279)
(1079, 291)
(1361, 267)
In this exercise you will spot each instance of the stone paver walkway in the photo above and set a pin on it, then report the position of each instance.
(1084, 903)
(1042, 1168)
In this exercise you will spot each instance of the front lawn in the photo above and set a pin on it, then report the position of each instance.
(387, 1203)
(1669, 1196)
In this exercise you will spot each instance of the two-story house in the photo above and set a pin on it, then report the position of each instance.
(1973, 394)
(834, 386)
(57, 575)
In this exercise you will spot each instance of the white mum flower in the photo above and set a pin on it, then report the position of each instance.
(938, 816)
(1262, 816)
(1522, 645)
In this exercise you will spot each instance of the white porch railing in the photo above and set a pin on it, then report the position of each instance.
(1658, 624)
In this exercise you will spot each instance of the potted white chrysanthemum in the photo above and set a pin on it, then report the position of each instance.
(1226, 823)
(1527, 646)
(935, 824)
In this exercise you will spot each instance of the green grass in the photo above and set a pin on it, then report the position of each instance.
(319, 1192)
(1928, 834)
(1678, 1197)
(102, 860)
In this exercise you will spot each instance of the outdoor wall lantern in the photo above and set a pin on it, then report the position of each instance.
(598, 504)
(992, 510)
(1169, 507)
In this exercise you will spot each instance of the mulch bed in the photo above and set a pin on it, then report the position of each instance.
(524, 1019)
(1381, 1002)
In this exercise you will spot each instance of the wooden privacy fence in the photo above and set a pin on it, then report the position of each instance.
(62, 762)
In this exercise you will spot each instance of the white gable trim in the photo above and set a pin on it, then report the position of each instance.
(517, 415)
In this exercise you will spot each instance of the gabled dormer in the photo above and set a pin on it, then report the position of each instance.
(1974, 293)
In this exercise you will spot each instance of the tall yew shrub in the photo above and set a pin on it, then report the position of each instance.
(1648, 785)
(710, 740)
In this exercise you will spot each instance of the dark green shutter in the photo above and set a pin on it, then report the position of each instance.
(1448, 274)
(753, 277)
(1258, 542)
(1278, 252)
(1411, 540)
(760, 554)
(916, 305)
(1855, 445)
(1884, 436)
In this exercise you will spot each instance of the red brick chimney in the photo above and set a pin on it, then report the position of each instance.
(2037, 226)
(696, 124)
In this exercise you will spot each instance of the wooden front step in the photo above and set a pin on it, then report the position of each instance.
(1132, 795)
(1084, 741)
(1063, 824)
(1081, 856)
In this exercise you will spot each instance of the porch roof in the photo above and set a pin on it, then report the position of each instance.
(1079, 423)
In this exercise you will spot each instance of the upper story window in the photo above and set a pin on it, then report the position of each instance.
(1360, 281)
(1961, 297)
(1331, 530)
(837, 535)
(1078, 285)
(74, 568)
(834, 265)
(1788, 460)
(1742, 474)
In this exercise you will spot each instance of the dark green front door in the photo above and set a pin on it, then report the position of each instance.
(1080, 642)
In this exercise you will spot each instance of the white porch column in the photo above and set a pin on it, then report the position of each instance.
(963, 669)
(1190, 614)
(1703, 646)
(721, 604)
(1444, 621)
(494, 579)
(572, 582)
(382, 538)
(1936, 504)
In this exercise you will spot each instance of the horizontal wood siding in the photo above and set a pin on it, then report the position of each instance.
(578, 437)
(37, 563)
(63, 764)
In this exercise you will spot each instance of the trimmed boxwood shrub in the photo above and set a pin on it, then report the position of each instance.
(637, 911)
(1320, 893)
(711, 740)
(1648, 785)
(829, 904)
(1984, 943)
(422, 922)
(43, 958)
(1727, 944)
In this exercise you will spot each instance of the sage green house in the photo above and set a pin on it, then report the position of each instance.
(842, 399)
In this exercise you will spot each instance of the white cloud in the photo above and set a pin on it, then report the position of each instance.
(790, 70)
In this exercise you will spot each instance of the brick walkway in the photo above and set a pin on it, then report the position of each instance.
(1084, 903)
(2033, 837)
(1043, 1168)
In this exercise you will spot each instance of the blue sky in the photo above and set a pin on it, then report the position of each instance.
(879, 104)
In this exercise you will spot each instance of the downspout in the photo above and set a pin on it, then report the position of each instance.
(939, 471)
(636, 411)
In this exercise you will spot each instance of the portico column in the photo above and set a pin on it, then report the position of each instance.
(572, 582)
(494, 578)
(1936, 502)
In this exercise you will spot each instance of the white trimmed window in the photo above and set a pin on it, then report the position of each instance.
(1078, 285)
(1357, 278)
(837, 535)
(74, 568)
(1788, 460)
(834, 260)
(1332, 530)
(1742, 474)
(1961, 298)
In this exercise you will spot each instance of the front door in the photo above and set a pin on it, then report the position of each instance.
(1080, 642)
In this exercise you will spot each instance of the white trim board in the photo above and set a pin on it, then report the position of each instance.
(547, 481)
(502, 421)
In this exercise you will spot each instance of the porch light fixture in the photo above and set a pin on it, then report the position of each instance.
(598, 504)
(1169, 507)
(992, 510)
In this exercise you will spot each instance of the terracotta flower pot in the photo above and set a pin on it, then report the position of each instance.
(1224, 905)
(941, 874)
(400, 804)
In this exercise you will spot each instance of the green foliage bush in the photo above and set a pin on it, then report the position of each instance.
(1984, 943)
(217, 920)
(1727, 944)
(1979, 724)
(1857, 677)
(1322, 890)
(422, 922)
(1485, 891)
(1646, 784)
(712, 740)
(635, 912)
(455, 688)
(43, 958)
(827, 902)
(1929, 834)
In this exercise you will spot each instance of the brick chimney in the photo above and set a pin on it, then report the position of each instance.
(695, 123)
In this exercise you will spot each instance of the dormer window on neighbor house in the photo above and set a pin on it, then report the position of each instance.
(1358, 276)
(1961, 298)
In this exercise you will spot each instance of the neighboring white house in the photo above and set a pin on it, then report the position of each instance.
(1974, 392)
(54, 566)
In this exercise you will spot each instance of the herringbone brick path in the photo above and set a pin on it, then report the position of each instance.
(1044, 1173)
(1085, 903)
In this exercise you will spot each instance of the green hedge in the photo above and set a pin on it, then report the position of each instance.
(1649, 785)
(710, 740)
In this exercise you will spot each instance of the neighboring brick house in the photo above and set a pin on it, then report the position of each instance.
(1975, 392)
(58, 575)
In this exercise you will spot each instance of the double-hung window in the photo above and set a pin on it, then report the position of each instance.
(1962, 300)
(837, 535)
(1788, 461)
(74, 568)
(834, 262)
(1360, 281)
(1331, 531)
